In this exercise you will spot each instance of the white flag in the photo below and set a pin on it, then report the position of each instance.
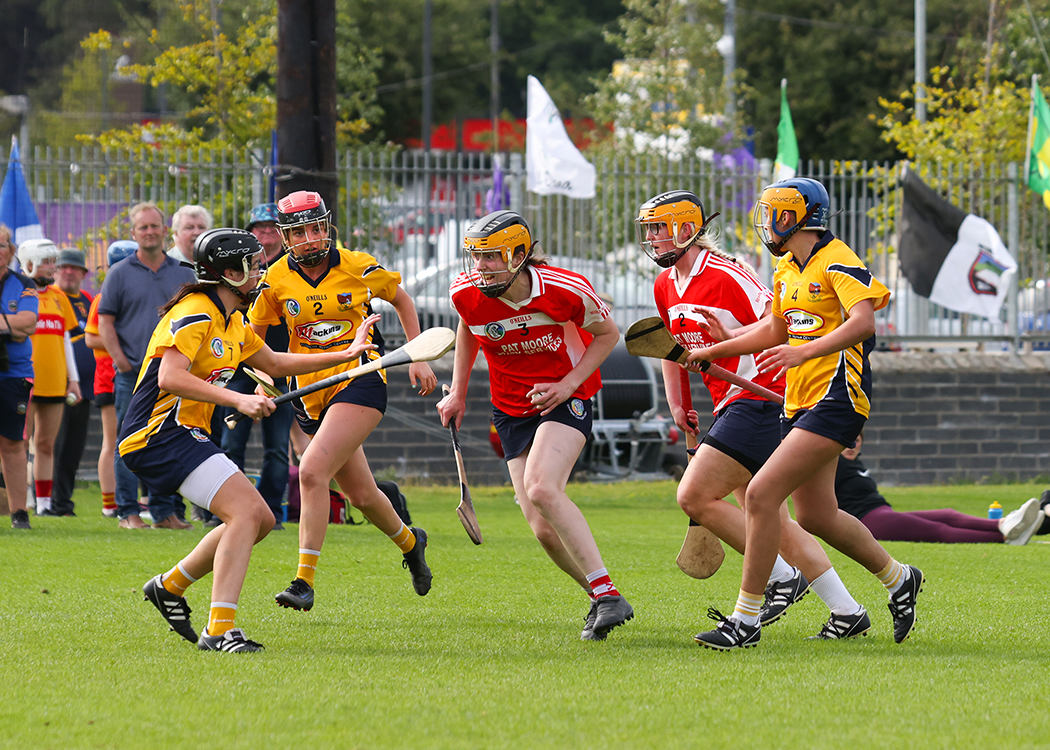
(955, 259)
(553, 162)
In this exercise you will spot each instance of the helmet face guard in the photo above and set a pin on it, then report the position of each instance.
(808, 201)
(304, 209)
(502, 233)
(670, 211)
(220, 250)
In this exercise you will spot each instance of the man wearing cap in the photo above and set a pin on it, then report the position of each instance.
(70, 273)
(273, 480)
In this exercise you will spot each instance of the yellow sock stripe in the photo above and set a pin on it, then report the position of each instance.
(404, 539)
(749, 604)
(891, 575)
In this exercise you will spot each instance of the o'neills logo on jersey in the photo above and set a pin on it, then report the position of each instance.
(292, 307)
(322, 331)
(217, 348)
(495, 331)
(198, 435)
(577, 409)
(800, 321)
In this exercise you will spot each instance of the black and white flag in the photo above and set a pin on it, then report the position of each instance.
(955, 259)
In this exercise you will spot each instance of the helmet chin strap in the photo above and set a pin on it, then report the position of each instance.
(777, 249)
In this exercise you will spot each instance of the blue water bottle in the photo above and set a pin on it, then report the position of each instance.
(995, 510)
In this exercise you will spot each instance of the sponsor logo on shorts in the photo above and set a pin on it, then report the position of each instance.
(802, 321)
(22, 406)
(199, 435)
(495, 331)
(292, 307)
(217, 349)
(12, 305)
(577, 409)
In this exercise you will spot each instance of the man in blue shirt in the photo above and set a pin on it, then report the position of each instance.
(133, 292)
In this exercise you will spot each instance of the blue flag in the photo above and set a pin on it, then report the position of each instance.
(16, 207)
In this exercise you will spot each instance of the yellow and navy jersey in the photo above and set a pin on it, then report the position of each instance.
(813, 300)
(54, 318)
(215, 343)
(323, 315)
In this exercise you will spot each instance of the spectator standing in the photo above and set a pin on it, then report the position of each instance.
(133, 293)
(103, 387)
(18, 312)
(55, 377)
(72, 433)
(187, 224)
(273, 479)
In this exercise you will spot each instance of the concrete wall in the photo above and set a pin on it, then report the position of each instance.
(938, 417)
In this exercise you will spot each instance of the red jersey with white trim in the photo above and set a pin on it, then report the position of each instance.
(538, 340)
(736, 297)
(49, 349)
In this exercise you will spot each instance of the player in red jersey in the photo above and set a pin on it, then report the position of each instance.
(544, 332)
(672, 230)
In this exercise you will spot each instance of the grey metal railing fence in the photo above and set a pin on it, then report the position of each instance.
(409, 209)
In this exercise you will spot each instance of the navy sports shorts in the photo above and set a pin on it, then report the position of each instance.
(748, 431)
(14, 400)
(516, 433)
(164, 465)
(368, 390)
(834, 420)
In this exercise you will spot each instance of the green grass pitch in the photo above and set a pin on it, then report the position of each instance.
(491, 658)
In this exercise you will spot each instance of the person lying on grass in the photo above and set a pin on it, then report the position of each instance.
(858, 495)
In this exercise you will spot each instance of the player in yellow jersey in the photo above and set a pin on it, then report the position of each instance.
(193, 353)
(819, 336)
(55, 376)
(323, 292)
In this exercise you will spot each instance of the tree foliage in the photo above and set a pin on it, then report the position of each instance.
(964, 123)
(665, 95)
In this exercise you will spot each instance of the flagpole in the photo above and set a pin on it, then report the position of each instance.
(1031, 117)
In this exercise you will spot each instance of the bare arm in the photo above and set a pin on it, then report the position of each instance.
(858, 326)
(282, 364)
(417, 371)
(769, 332)
(454, 405)
(175, 378)
(107, 330)
(546, 396)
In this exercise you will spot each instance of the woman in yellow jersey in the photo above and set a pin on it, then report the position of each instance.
(55, 376)
(324, 293)
(193, 353)
(819, 336)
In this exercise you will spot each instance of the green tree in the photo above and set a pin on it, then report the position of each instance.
(668, 88)
(839, 59)
(964, 123)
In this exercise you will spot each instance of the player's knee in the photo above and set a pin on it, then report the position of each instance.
(541, 493)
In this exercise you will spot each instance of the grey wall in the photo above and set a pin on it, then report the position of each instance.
(937, 418)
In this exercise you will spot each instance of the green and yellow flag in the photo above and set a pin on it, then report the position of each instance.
(1038, 157)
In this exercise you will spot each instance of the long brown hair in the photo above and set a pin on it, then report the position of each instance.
(183, 292)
